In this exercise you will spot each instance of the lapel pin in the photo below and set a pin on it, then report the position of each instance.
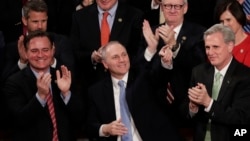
(119, 19)
(183, 38)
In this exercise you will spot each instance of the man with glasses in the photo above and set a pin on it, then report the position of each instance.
(183, 41)
(200, 12)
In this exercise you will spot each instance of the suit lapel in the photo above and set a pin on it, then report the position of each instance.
(119, 22)
(227, 79)
(108, 96)
(31, 78)
(209, 81)
(129, 90)
(93, 24)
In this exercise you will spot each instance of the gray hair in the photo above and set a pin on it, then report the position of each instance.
(103, 50)
(227, 33)
(34, 5)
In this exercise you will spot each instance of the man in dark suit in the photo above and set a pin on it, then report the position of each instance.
(125, 26)
(185, 39)
(227, 108)
(60, 15)
(27, 93)
(35, 18)
(148, 120)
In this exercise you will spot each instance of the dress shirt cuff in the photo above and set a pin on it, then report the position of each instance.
(66, 98)
(101, 134)
(154, 5)
(167, 66)
(209, 106)
(21, 65)
(54, 63)
(148, 55)
(42, 102)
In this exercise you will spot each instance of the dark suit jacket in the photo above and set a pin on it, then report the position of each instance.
(63, 54)
(29, 120)
(143, 100)
(2, 50)
(232, 108)
(85, 36)
(152, 15)
(191, 53)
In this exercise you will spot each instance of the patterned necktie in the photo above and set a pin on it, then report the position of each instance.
(125, 114)
(246, 8)
(105, 31)
(51, 109)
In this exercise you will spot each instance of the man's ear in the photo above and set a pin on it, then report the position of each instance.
(24, 20)
(185, 8)
(53, 49)
(230, 46)
(105, 64)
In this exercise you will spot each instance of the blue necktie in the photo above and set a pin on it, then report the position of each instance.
(125, 114)
(246, 8)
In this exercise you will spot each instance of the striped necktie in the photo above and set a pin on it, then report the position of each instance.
(51, 109)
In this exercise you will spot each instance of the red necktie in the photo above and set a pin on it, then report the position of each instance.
(104, 29)
(51, 109)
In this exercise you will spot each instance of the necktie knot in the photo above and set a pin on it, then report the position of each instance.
(105, 15)
(217, 77)
(121, 83)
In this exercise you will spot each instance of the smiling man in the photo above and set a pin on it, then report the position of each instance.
(219, 105)
(108, 98)
(32, 93)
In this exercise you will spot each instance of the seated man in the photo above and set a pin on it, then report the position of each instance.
(39, 99)
(125, 104)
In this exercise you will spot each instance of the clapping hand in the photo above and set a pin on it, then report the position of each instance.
(63, 80)
(167, 34)
(151, 39)
(199, 95)
(166, 54)
(43, 84)
(21, 50)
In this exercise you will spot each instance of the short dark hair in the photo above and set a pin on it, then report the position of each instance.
(234, 8)
(34, 5)
(37, 33)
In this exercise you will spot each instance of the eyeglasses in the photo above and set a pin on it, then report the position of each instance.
(170, 6)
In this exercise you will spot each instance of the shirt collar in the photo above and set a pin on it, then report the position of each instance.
(115, 80)
(36, 73)
(224, 70)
